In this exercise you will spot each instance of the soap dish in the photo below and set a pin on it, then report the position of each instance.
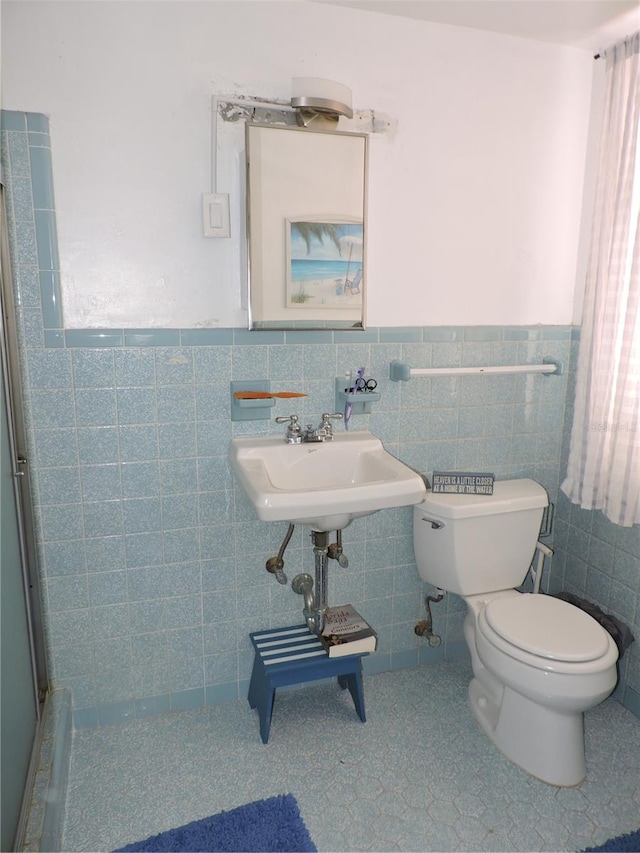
(251, 410)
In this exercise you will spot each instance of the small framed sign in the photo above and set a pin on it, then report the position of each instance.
(462, 483)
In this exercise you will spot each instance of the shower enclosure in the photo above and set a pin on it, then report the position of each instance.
(24, 680)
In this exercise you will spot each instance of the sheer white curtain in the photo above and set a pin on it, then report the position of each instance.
(604, 457)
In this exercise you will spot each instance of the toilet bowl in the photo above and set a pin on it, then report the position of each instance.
(538, 662)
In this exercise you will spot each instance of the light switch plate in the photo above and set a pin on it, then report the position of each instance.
(215, 215)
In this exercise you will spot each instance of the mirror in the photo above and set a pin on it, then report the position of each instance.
(306, 193)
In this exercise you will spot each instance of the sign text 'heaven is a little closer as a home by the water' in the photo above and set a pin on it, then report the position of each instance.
(462, 483)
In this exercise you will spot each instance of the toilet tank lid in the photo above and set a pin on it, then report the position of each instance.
(508, 496)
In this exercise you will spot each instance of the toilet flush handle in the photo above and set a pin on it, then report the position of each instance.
(436, 525)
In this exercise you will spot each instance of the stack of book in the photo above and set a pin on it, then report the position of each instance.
(345, 632)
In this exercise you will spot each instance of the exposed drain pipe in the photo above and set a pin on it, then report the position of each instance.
(424, 628)
(303, 585)
(320, 553)
(315, 606)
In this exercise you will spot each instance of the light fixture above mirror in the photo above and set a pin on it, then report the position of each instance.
(319, 103)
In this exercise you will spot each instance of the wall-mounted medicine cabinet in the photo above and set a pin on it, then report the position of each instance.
(306, 228)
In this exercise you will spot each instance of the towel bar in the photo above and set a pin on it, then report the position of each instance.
(401, 371)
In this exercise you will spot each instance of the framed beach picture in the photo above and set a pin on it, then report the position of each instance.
(324, 263)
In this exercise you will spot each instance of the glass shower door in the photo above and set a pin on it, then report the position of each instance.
(23, 678)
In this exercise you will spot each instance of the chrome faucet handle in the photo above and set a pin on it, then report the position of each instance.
(293, 434)
(326, 421)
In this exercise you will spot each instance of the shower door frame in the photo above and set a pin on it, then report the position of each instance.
(28, 558)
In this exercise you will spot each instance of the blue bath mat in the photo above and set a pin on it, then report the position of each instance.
(629, 843)
(272, 826)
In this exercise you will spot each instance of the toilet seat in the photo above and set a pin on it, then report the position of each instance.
(543, 631)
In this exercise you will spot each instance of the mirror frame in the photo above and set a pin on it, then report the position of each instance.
(344, 228)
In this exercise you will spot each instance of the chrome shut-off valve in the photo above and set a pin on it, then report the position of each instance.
(335, 552)
(275, 565)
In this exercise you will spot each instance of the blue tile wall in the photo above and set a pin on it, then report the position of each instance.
(152, 561)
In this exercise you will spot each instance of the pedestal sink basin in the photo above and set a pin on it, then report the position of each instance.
(324, 485)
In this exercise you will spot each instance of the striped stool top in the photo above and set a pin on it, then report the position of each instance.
(282, 647)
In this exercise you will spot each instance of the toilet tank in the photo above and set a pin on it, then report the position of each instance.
(471, 544)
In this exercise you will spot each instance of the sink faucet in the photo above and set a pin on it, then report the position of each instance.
(293, 434)
(324, 432)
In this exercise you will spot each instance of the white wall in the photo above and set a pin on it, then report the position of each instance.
(474, 201)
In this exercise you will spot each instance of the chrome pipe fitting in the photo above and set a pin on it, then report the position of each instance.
(275, 565)
(302, 585)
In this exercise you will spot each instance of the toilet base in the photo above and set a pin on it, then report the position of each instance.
(545, 743)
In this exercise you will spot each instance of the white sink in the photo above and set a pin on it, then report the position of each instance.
(324, 485)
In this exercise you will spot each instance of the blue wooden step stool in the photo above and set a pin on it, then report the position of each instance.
(285, 656)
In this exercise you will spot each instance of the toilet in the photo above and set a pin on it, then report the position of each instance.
(538, 662)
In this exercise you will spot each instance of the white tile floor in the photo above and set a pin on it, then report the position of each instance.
(417, 776)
